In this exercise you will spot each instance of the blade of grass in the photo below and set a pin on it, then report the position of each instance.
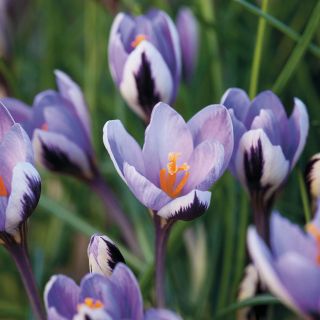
(298, 51)
(256, 62)
(52, 207)
(279, 25)
(304, 197)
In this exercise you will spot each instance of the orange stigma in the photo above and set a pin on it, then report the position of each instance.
(139, 38)
(3, 189)
(315, 232)
(168, 176)
(92, 304)
(45, 127)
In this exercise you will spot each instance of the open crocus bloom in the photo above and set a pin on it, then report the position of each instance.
(59, 127)
(291, 266)
(20, 183)
(267, 142)
(99, 298)
(144, 59)
(179, 161)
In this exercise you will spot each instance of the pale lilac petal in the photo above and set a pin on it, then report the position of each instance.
(20, 111)
(53, 314)
(62, 293)
(122, 147)
(213, 123)
(259, 164)
(262, 259)
(6, 120)
(146, 79)
(237, 100)
(57, 153)
(266, 100)
(161, 314)
(167, 132)
(206, 163)
(301, 279)
(288, 237)
(187, 207)
(145, 191)
(72, 93)
(24, 196)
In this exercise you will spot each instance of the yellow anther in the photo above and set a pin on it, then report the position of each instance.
(315, 232)
(139, 38)
(93, 304)
(3, 189)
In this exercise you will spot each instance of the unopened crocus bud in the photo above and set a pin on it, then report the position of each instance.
(145, 59)
(187, 27)
(103, 255)
(312, 177)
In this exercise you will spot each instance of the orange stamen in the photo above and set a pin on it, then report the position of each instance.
(168, 176)
(93, 304)
(315, 232)
(139, 38)
(44, 127)
(3, 189)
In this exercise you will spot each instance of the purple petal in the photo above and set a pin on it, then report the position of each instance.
(145, 191)
(122, 147)
(187, 27)
(72, 93)
(205, 164)
(55, 152)
(53, 314)
(167, 132)
(301, 279)
(146, 79)
(62, 293)
(262, 259)
(266, 100)
(213, 123)
(20, 111)
(288, 237)
(6, 120)
(160, 314)
(187, 207)
(24, 197)
(237, 100)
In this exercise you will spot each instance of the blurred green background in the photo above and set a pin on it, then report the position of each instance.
(205, 263)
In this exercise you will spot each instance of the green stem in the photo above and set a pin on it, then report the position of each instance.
(304, 197)
(257, 53)
(298, 51)
(279, 25)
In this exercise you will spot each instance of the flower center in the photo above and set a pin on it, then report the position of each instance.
(3, 189)
(139, 38)
(168, 176)
(315, 232)
(92, 304)
(45, 127)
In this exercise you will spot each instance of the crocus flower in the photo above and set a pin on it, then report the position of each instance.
(99, 298)
(103, 255)
(59, 127)
(144, 59)
(267, 143)
(179, 161)
(187, 27)
(312, 177)
(20, 183)
(290, 267)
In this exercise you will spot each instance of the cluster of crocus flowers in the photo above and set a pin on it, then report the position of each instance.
(267, 146)
(145, 59)
(290, 265)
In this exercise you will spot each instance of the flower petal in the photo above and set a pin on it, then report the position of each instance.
(19, 111)
(262, 259)
(24, 197)
(167, 132)
(122, 147)
(213, 123)
(55, 152)
(187, 207)
(6, 120)
(237, 100)
(145, 191)
(146, 79)
(161, 314)
(259, 164)
(62, 293)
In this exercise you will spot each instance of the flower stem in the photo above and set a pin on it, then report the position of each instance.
(115, 212)
(162, 233)
(20, 256)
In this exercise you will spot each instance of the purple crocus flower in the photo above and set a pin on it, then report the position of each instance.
(20, 183)
(59, 127)
(290, 267)
(179, 161)
(144, 59)
(187, 27)
(99, 298)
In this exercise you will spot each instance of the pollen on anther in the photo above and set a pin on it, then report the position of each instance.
(3, 189)
(139, 38)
